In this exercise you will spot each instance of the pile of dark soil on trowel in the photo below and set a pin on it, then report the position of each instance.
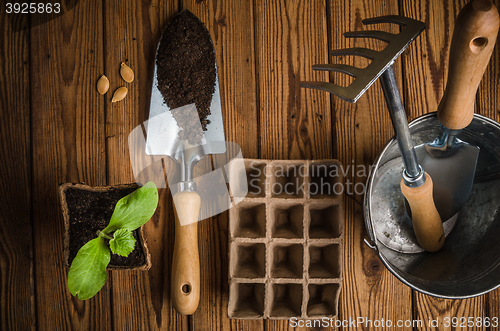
(186, 72)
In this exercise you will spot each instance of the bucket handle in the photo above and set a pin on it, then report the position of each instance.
(370, 245)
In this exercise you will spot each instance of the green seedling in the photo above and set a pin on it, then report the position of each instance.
(87, 273)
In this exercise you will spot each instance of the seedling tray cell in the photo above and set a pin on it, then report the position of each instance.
(285, 239)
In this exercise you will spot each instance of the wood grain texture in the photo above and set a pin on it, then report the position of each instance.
(429, 55)
(67, 146)
(230, 24)
(17, 305)
(488, 104)
(493, 307)
(488, 95)
(442, 312)
(231, 27)
(140, 299)
(291, 36)
(426, 83)
(55, 127)
(369, 289)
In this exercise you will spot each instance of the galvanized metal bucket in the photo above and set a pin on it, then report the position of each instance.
(469, 263)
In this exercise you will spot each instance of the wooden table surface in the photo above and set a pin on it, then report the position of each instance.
(55, 127)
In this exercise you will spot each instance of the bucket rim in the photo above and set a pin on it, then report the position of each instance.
(369, 225)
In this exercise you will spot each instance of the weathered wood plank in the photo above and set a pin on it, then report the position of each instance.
(488, 101)
(67, 146)
(488, 95)
(369, 290)
(17, 304)
(438, 314)
(231, 27)
(230, 24)
(426, 63)
(264, 111)
(426, 70)
(294, 123)
(140, 299)
(290, 36)
(493, 311)
(428, 57)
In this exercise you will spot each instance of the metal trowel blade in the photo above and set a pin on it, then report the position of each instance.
(452, 170)
(162, 136)
(163, 129)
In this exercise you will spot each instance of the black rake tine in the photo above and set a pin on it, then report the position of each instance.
(404, 21)
(340, 91)
(380, 60)
(375, 34)
(339, 67)
(357, 51)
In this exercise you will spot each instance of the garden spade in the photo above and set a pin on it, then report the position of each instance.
(165, 137)
(450, 161)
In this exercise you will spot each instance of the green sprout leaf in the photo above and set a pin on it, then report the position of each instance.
(123, 242)
(135, 209)
(87, 274)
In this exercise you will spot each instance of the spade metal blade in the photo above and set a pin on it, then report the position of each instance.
(163, 129)
(452, 170)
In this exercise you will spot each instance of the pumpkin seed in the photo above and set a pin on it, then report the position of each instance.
(103, 85)
(119, 94)
(127, 73)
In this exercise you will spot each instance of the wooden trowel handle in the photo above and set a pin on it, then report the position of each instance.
(185, 290)
(472, 43)
(427, 223)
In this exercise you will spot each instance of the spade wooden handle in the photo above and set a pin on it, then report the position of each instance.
(427, 223)
(474, 37)
(185, 285)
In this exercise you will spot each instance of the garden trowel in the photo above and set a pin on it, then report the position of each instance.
(165, 136)
(450, 161)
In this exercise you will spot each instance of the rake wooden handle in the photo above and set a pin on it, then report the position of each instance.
(427, 223)
(185, 285)
(476, 29)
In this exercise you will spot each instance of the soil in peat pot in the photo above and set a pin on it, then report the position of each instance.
(186, 72)
(90, 211)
